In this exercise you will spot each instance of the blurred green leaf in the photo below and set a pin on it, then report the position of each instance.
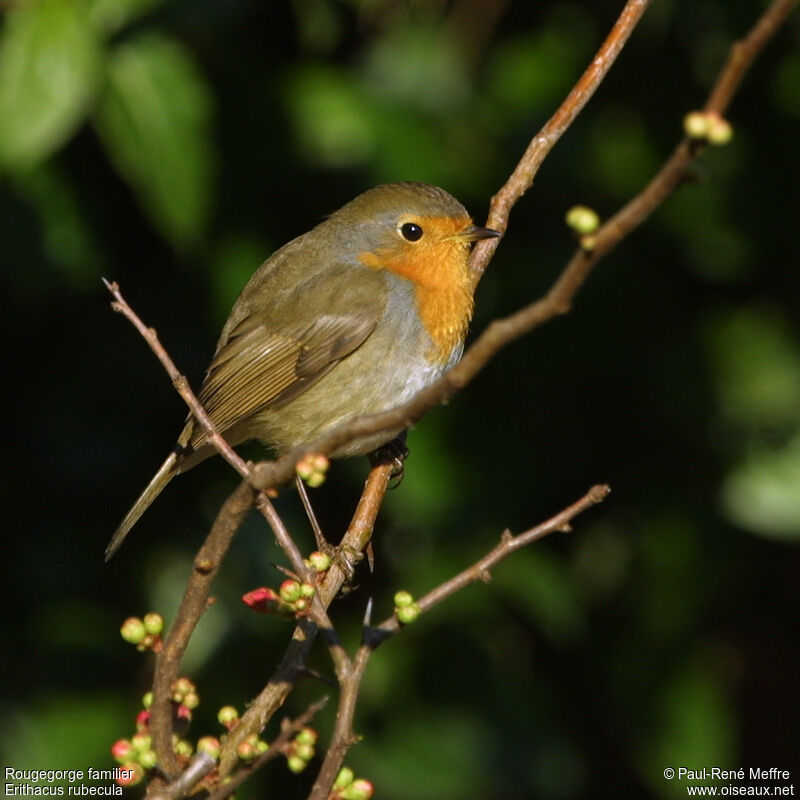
(427, 756)
(236, 258)
(694, 726)
(539, 584)
(49, 69)
(755, 365)
(110, 16)
(762, 493)
(528, 74)
(785, 83)
(67, 732)
(419, 67)
(624, 158)
(331, 116)
(66, 237)
(155, 122)
(319, 24)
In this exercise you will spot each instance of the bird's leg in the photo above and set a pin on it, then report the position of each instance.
(346, 558)
(322, 542)
(395, 453)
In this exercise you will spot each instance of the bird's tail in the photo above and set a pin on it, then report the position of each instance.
(169, 469)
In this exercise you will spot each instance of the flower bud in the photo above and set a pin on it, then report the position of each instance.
(227, 716)
(153, 623)
(147, 700)
(582, 219)
(295, 764)
(403, 598)
(695, 125)
(183, 748)
(191, 700)
(719, 130)
(263, 600)
(148, 759)
(345, 777)
(141, 742)
(122, 750)
(289, 591)
(143, 721)
(209, 745)
(408, 614)
(306, 736)
(304, 751)
(359, 789)
(312, 468)
(133, 630)
(246, 750)
(133, 774)
(319, 562)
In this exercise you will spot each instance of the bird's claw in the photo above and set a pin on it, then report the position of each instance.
(395, 453)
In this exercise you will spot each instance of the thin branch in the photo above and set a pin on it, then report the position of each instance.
(521, 179)
(215, 439)
(200, 766)
(558, 300)
(195, 601)
(481, 569)
(343, 737)
(288, 730)
(120, 305)
(274, 694)
(744, 53)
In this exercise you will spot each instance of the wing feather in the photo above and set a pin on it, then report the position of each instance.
(258, 366)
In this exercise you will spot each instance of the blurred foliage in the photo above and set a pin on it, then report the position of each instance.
(173, 144)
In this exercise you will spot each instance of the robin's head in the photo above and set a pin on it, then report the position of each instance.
(422, 234)
(402, 222)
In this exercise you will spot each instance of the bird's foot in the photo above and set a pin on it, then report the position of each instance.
(394, 453)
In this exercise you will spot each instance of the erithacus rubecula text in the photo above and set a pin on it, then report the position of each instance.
(354, 317)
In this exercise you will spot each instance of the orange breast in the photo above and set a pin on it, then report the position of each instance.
(442, 284)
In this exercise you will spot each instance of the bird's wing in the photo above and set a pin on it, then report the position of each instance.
(260, 365)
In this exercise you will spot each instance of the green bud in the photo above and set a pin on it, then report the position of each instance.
(304, 751)
(148, 759)
(345, 777)
(359, 789)
(183, 748)
(295, 764)
(695, 124)
(153, 623)
(307, 590)
(289, 591)
(246, 750)
(133, 630)
(319, 562)
(306, 736)
(133, 774)
(403, 598)
(141, 742)
(147, 700)
(209, 745)
(191, 700)
(408, 614)
(582, 219)
(226, 715)
(719, 130)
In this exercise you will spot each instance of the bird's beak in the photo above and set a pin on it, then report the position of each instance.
(475, 233)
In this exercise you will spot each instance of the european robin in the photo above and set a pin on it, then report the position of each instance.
(354, 317)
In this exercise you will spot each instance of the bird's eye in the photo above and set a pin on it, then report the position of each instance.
(411, 231)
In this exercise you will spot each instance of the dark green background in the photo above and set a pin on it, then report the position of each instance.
(172, 146)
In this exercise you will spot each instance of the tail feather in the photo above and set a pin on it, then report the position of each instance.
(165, 474)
